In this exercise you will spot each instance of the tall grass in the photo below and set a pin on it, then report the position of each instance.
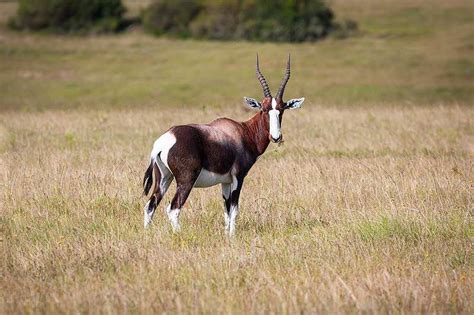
(357, 211)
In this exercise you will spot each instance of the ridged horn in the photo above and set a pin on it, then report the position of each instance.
(281, 90)
(263, 82)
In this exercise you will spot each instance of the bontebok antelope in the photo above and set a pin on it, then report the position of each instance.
(221, 152)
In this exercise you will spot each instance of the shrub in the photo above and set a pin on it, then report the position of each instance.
(216, 21)
(264, 20)
(69, 15)
(170, 16)
(296, 21)
(345, 29)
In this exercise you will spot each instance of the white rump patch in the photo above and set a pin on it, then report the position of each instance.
(163, 144)
(275, 128)
(208, 179)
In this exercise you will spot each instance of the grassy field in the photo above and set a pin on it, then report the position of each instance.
(406, 53)
(366, 207)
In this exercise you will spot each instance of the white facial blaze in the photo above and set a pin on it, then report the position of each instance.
(275, 130)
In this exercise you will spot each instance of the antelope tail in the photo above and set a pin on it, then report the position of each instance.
(148, 178)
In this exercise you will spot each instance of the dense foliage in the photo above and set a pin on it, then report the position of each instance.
(274, 20)
(69, 15)
(170, 16)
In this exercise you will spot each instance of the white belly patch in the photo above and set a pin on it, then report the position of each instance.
(208, 179)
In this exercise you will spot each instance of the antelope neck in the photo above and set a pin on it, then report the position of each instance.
(258, 131)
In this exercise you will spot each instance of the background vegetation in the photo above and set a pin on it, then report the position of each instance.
(280, 20)
(405, 54)
(263, 20)
(375, 217)
(69, 15)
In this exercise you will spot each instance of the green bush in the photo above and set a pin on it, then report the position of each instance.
(216, 21)
(262, 20)
(170, 16)
(69, 15)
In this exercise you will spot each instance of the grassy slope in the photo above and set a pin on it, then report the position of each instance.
(370, 208)
(406, 52)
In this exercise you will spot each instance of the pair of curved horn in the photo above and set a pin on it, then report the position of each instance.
(263, 82)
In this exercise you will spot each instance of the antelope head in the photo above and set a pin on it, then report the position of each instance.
(274, 107)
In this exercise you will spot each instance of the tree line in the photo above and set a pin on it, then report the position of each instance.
(255, 20)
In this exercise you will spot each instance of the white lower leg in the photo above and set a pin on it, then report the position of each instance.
(147, 216)
(234, 211)
(173, 216)
(227, 221)
(226, 189)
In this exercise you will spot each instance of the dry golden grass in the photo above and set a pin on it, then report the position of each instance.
(359, 210)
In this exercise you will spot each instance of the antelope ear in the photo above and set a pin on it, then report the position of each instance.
(252, 102)
(294, 103)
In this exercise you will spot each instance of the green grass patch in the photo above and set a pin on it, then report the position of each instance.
(413, 231)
